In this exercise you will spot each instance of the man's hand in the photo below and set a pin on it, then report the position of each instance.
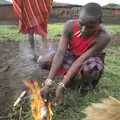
(59, 93)
(44, 92)
(46, 88)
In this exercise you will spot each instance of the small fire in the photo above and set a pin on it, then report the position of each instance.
(41, 110)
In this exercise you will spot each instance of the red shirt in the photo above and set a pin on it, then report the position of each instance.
(79, 44)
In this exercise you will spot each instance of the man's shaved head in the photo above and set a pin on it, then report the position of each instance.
(91, 12)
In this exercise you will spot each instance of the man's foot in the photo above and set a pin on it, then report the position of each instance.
(85, 88)
(40, 58)
(44, 62)
(35, 58)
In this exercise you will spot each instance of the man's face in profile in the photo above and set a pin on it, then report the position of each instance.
(87, 29)
(89, 19)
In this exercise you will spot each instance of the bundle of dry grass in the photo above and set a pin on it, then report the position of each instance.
(108, 109)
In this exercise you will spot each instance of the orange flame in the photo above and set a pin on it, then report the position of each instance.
(41, 110)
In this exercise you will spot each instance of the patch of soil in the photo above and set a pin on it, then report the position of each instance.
(15, 65)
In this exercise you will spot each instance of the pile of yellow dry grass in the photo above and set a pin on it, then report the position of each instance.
(108, 109)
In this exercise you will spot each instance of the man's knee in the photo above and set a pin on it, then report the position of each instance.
(92, 68)
(91, 73)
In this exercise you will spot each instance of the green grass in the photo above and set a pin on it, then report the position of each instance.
(74, 103)
(114, 28)
(55, 29)
(108, 86)
(10, 32)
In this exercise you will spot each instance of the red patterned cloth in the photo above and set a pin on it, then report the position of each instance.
(94, 63)
(33, 15)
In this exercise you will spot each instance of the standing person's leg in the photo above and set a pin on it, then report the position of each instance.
(31, 39)
(45, 42)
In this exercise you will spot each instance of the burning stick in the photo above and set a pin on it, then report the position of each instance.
(109, 109)
(41, 110)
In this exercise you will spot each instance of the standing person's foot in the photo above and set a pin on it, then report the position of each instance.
(39, 59)
(34, 57)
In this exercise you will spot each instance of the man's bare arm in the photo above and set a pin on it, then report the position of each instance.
(62, 46)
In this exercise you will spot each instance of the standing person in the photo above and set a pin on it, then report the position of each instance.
(33, 18)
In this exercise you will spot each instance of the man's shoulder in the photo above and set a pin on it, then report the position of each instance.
(70, 23)
(104, 35)
(68, 26)
(104, 29)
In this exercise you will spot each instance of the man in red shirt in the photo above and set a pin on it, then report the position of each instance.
(80, 51)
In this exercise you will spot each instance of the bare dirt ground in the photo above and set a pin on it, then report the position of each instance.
(16, 65)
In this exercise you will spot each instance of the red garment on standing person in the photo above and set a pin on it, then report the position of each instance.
(78, 45)
(33, 15)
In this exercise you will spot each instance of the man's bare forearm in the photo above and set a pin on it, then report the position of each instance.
(57, 61)
(75, 66)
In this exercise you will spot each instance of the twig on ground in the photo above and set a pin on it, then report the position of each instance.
(19, 98)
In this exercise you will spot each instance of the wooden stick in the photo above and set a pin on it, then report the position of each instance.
(19, 98)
